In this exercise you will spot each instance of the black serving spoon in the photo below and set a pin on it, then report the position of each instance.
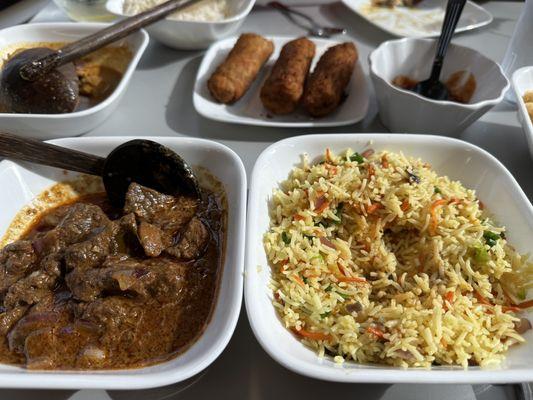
(43, 81)
(142, 161)
(433, 88)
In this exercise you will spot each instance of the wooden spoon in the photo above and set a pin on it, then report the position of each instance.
(142, 161)
(43, 81)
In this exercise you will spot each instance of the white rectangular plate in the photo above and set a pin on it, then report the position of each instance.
(249, 110)
(459, 160)
(423, 20)
(22, 182)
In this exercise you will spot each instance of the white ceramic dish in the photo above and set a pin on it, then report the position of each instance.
(250, 111)
(22, 182)
(423, 20)
(49, 126)
(20, 12)
(522, 82)
(405, 111)
(474, 167)
(190, 35)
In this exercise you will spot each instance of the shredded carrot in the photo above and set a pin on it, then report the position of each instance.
(525, 304)
(375, 331)
(321, 204)
(366, 246)
(405, 205)
(481, 299)
(298, 217)
(384, 161)
(313, 335)
(371, 171)
(328, 155)
(341, 268)
(331, 168)
(373, 208)
(443, 342)
(454, 201)
(367, 153)
(299, 280)
(511, 309)
(351, 279)
(433, 212)
(450, 296)
(421, 260)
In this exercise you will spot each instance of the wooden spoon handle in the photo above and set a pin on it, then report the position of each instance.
(119, 30)
(34, 151)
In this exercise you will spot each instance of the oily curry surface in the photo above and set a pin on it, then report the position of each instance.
(93, 287)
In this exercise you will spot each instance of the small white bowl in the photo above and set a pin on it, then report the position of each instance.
(192, 35)
(405, 111)
(522, 82)
(50, 126)
(459, 160)
(22, 182)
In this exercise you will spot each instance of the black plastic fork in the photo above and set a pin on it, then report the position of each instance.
(433, 88)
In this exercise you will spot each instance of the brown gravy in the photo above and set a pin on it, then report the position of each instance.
(127, 309)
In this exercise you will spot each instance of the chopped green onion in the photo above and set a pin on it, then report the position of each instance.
(305, 279)
(309, 237)
(436, 190)
(326, 314)
(286, 238)
(357, 157)
(491, 238)
(328, 289)
(338, 214)
(521, 294)
(344, 296)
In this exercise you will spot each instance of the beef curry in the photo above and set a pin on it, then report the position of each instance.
(92, 287)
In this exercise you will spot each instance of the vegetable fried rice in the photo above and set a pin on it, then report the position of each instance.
(375, 258)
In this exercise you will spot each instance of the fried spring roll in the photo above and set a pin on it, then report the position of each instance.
(325, 87)
(284, 87)
(234, 76)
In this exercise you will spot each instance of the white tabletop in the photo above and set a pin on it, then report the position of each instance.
(158, 103)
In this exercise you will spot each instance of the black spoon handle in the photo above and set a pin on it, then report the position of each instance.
(88, 44)
(37, 152)
(454, 10)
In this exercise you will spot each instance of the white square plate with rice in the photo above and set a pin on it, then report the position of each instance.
(473, 167)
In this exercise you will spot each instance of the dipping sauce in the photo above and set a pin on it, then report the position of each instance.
(99, 72)
(461, 85)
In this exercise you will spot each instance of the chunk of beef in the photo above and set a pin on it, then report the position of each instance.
(192, 242)
(162, 279)
(79, 222)
(60, 344)
(132, 328)
(30, 290)
(16, 261)
(152, 239)
(33, 321)
(115, 237)
(8, 318)
(167, 212)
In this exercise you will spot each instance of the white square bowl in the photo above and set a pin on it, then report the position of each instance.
(402, 110)
(51, 126)
(474, 167)
(522, 81)
(22, 182)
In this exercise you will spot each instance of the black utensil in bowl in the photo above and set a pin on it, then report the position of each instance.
(432, 87)
(43, 81)
(142, 161)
